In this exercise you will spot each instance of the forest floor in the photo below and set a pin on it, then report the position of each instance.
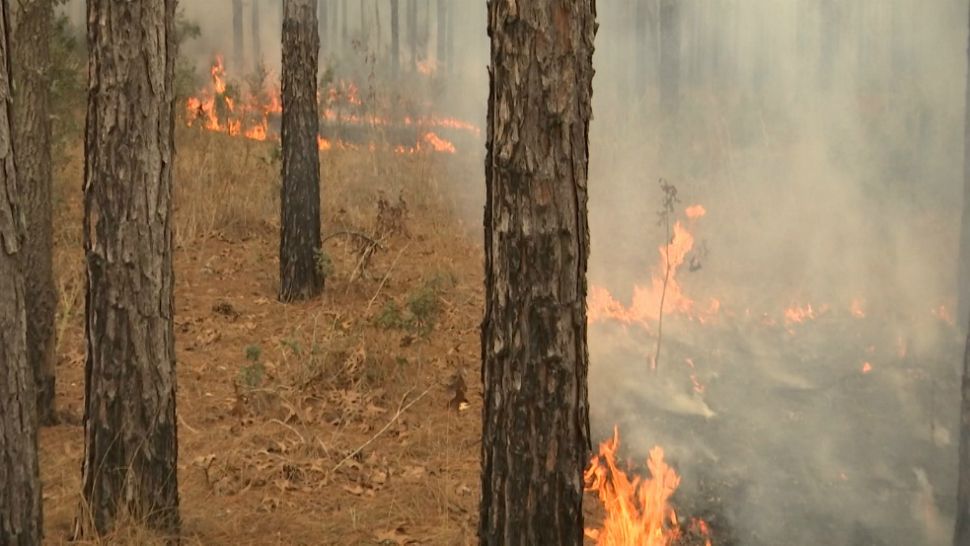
(337, 421)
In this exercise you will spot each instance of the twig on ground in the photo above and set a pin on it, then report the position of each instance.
(384, 280)
(397, 415)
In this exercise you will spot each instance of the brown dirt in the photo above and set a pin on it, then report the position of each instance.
(273, 397)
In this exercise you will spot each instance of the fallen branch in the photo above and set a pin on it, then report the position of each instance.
(397, 415)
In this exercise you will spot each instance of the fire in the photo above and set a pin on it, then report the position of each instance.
(856, 308)
(221, 107)
(797, 314)
(638, 510)
(866, 367)
(645, 305)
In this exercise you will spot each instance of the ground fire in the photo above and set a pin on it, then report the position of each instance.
(346, 122)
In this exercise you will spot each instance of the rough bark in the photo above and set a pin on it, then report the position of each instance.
(300, 277)
(669, 57)
(32, 133)
(963, 255)
(257, 41)
(238, 54)
(395, 37)
(534, 356)
(130, 432)
(961, 535)
(20, 492)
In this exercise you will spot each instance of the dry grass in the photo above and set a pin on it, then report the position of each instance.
(272, 398)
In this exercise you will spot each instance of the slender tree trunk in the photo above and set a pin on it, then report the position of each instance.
(452, 60)
(411, 7)
(238, 54)
(343, 25)
(395, 38)
(20, 492)
(32, 133)
(130, 468)
(440, 19)
(669, 57)
(300, 276)
(257, 41)
(322, 15)
(534, 357)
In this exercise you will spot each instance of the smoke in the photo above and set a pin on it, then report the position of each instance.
(825, 141)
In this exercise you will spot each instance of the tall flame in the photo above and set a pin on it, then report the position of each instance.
(638, 510)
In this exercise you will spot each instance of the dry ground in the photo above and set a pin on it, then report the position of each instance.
(320, 423)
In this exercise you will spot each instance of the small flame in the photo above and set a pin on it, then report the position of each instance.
(857, 308)
(797, 314)
(695, 211)
(866, 367)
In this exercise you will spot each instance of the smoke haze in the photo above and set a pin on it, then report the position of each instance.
(825, 141)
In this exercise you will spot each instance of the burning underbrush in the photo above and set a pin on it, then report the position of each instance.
(350, 119)
(792, 420)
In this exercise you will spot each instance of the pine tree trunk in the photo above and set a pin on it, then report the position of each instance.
(131, 447)
(257, 42)
(534, 357)
(300, 277)
(669, 57)
(395, 37)
(32, 134)
(20, 488)
(412, 9)
(440, 20)
(238, 54)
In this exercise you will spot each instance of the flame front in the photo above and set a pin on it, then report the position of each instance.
(638, 510)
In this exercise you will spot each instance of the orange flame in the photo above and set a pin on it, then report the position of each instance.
(645, 305)
(857, 309)
(866, 367)
(638, 511)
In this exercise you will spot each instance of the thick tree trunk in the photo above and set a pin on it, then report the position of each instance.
(669, 57)
(257, 42)
(300, 276)
(130, 433)
(238, 53)
(395, 37)
(534, 358)
(32, 133)
(961, 535)
(20, 492)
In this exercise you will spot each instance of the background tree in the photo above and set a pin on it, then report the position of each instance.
(257, 42)
(131, 449)
(20, 493)
(32, 133)
(238, 55)
(534, 357)
(300, 276)
(440, 38)
(395, 37)
(412, 22)
(961, 535)
(669, 56)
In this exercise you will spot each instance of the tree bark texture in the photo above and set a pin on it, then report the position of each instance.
(300, 277)
(534, 356)
(130, 433)
(238, 54)
(32, 133)
(20, 488)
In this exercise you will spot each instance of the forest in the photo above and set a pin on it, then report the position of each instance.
(512, 272)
